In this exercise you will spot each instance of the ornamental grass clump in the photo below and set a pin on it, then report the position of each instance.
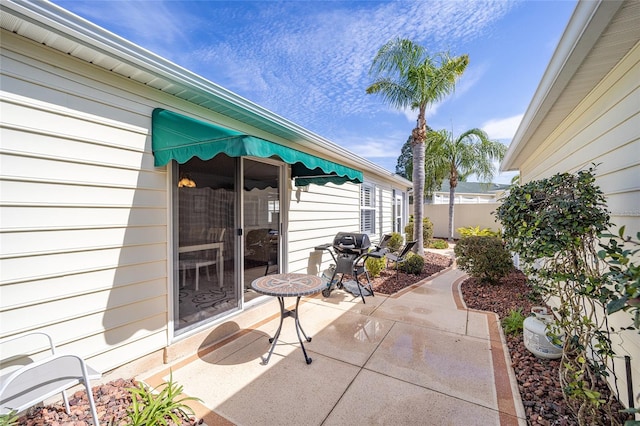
(476, 231)
(439, 244)
(514, 322)
(158, 406)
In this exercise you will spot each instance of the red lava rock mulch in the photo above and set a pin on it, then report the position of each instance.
(537, 378)
(112, 401)
(389, 283)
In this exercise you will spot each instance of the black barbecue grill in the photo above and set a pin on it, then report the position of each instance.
(349, 251)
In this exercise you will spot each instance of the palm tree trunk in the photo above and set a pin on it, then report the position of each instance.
(453, 183)
(452, 194)
(419, 136)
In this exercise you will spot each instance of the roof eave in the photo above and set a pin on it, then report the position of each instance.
(587, 23)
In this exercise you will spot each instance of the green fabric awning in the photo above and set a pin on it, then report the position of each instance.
(178, 137)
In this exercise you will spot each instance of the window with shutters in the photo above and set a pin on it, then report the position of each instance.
(367, 209)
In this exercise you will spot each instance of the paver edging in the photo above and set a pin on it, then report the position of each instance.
(510, 404)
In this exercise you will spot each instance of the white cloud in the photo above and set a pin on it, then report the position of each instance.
(157, 27)
(316, 66)
(504, 128)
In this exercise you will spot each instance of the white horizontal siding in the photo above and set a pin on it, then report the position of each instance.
(33, 292)
(83, 226)
(93, 312)
(315, 217)
(131, 349)
(47, 217)
(32, 266)
(63, 194)
(66, 240)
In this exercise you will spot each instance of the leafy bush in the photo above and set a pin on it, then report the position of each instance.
(514, 322)
(427, 230)
(475, 231)
(374, 266)
(394, 242)
(622, 282)
(484, 258)
(158, 405)
(439, 244)
(554, 224)
(413, 264)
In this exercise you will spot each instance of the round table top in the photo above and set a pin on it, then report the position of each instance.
(288, 285)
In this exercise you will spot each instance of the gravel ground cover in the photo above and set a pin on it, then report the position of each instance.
(537, 378)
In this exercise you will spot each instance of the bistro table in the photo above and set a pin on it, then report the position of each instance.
(288, 285)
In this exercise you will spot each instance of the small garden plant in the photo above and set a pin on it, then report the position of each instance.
(439, 244)
(9, 419)
(159, 405)
(374, 266)
(475, 231)
(514, 322)
(395, 242)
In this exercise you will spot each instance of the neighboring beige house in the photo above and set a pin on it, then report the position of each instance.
(587, 110)
(469, 193)
(474, 205)
(138, 200)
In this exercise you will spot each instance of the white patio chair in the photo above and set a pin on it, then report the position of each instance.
(29, 377)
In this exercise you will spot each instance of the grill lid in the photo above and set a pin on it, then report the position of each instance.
(351, 242)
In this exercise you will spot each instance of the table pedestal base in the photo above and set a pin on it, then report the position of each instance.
(284, 313)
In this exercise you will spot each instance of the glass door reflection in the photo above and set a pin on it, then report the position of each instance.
(261, 206)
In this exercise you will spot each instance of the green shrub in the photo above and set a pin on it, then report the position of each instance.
(514, 322)
(158, 405)
(374, 266)
(475, 231)
(413, 264)
(395, 242)
(427, 230)
(484, 258)
(439, 244)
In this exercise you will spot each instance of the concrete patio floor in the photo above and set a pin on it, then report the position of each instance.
(418, 357)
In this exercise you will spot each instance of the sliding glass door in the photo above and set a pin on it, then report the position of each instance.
(205, 200)
(262, 218)
(213, 271)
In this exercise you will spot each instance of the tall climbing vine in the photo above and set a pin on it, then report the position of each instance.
(554, 224)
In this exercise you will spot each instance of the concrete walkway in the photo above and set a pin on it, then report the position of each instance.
(416, 358)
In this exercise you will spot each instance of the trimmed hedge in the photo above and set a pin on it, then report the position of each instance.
(427, 230)
(484, 258)
(413, 264)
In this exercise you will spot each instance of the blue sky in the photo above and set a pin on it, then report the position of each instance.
(308, 61)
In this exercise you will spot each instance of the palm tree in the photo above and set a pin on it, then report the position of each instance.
(470, 153)
(406, 76)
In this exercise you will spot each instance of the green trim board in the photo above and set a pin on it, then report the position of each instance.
(178, 137)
